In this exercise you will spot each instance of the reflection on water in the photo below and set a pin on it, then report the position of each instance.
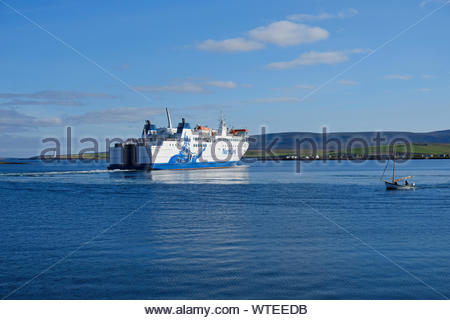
(234, 175)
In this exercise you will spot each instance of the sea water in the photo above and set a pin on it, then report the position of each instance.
(259, 231)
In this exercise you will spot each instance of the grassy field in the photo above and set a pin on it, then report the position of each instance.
(280, 153)
(418, 149)
(426, 149)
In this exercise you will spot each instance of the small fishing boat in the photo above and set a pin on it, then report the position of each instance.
(398, 184)
(394, 185)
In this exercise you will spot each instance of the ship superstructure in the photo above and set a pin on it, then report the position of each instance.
(182, 147)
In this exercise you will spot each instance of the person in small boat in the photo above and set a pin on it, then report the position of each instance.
(406, 183)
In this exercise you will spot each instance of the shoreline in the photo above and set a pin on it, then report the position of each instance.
(12, 162)
(374, 158)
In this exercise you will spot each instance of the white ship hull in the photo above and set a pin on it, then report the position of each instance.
(170, 156)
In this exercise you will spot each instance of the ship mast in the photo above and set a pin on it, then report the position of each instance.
(393, 168)
(222, 125)
(169, 120)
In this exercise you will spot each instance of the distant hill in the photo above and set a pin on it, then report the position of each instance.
(287, 140)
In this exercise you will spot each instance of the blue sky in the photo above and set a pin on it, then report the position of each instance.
(283, 64)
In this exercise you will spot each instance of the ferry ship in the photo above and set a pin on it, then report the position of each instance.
(182, 147)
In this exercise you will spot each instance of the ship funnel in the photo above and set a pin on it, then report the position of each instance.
(168, 118)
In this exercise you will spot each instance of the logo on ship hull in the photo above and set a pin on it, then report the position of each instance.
(185, 155)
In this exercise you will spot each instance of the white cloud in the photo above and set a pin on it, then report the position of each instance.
(50, 97)
(347, 13)
(304, 86)
(222, 84)
(246, 85)
(427, 76)
(208, 106)
(311, 17)
(230, 45)
(185, 87)
(286, 33)
(313, 58)
(324, 15)
(347, 82)
(425, 2)
(282, 33)
(278, 100)
(424, 90)
(399, 76)
(12, 120)
(56, 95)
(191, 86)
(38, 102)
(125, 114)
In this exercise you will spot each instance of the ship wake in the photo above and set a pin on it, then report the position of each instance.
(53, 173)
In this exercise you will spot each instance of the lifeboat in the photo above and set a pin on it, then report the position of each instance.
(202, 128)
(238, 131)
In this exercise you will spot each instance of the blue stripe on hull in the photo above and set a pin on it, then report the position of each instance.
(197, 165)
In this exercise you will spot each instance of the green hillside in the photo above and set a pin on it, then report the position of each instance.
(418, 150)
